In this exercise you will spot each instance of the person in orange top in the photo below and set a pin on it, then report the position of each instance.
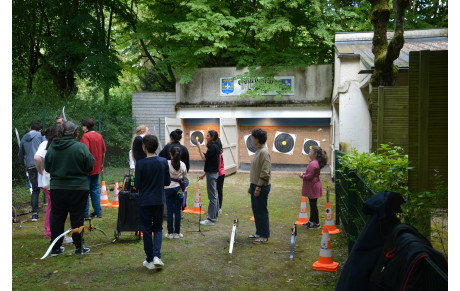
(96, 146)
(312, 187)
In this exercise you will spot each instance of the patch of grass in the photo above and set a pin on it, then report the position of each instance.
(195, 261)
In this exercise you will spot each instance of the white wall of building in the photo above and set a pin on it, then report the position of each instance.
(353, 117)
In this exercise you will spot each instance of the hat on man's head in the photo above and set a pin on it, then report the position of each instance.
(69, 128)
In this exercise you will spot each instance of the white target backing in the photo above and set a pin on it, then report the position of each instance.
(249, 145)
(196, 136)
(284, 143)
(307, 144)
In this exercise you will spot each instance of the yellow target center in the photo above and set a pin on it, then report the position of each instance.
(284, 142)
(197, 138)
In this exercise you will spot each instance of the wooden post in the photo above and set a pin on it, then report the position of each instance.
(380, 115)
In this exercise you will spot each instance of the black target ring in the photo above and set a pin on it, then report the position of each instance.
(251, 147)
(196, 137)
(284, 143)
(308, 144)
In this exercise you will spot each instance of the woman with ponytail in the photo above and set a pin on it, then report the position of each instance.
(175, 191)
(211, 171)
(312, 187)
(174, 140)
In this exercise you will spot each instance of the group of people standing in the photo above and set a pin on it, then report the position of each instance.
(161, 179)
(70, 169)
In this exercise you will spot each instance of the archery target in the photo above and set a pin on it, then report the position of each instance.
(307, 144)
(249, 145)
(284, 143)
(196, 137)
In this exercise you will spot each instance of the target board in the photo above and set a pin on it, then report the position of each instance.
(307, 144)
(196, 137)
(284, 143)
(252, 149)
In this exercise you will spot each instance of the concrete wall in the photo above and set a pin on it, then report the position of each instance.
(151, 108)
(354, 119)
(312, 85)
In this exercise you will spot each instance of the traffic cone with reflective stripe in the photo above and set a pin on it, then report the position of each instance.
(325, 261)
(302, 212)
(104, 198)
(329, 220)
(197, 204)
(115, 196)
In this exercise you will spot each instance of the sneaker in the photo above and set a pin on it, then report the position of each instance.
(148, 265)
(207, 222)
(254, 236)
(220, 212)
(97, 215)
(55, 253)
(314, 226)
(308, 224)
(260, 240)
(158, 263)
(178, 235)
(34, 217)
(82, 251)
(169, 235)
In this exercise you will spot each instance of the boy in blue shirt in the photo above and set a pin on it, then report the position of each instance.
(151, 175)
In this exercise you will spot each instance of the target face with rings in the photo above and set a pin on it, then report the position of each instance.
(284, 143)
(252, 149)
(308, 143)
(196, 137)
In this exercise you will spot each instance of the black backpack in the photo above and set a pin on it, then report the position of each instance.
(409, 262)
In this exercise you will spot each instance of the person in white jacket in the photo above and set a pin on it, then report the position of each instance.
(175, 191)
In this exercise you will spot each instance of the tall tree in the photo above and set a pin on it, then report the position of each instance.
(66, 39)
(385, 71)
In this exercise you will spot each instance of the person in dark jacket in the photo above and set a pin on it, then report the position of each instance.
(136, 145)
(175, 137)
(68, 162)
(151, 176)
(211, 169)
(27, 149)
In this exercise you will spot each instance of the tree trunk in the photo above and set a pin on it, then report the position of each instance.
(385, 72)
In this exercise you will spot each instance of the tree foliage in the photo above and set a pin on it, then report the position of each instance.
(60, 47)
(55, 42)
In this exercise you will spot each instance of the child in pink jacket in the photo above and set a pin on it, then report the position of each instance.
(312, 187)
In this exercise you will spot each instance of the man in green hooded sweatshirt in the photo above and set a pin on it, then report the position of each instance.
(68, 162)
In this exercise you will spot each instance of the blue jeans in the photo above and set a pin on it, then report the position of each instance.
(174, 207)
(151, 218)
(260, 210)
(211, 184)
(93, 183)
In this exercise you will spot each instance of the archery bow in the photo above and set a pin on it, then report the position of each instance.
(232, 239)
(27, 174)
(80, 230)
(63, 113)
(293, 234)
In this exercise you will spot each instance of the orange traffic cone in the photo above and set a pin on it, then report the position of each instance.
(302, 212)
(325, 261)
(115, 196)
(329, 220)
(196, 205)
(104, 198)
(252, 219)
